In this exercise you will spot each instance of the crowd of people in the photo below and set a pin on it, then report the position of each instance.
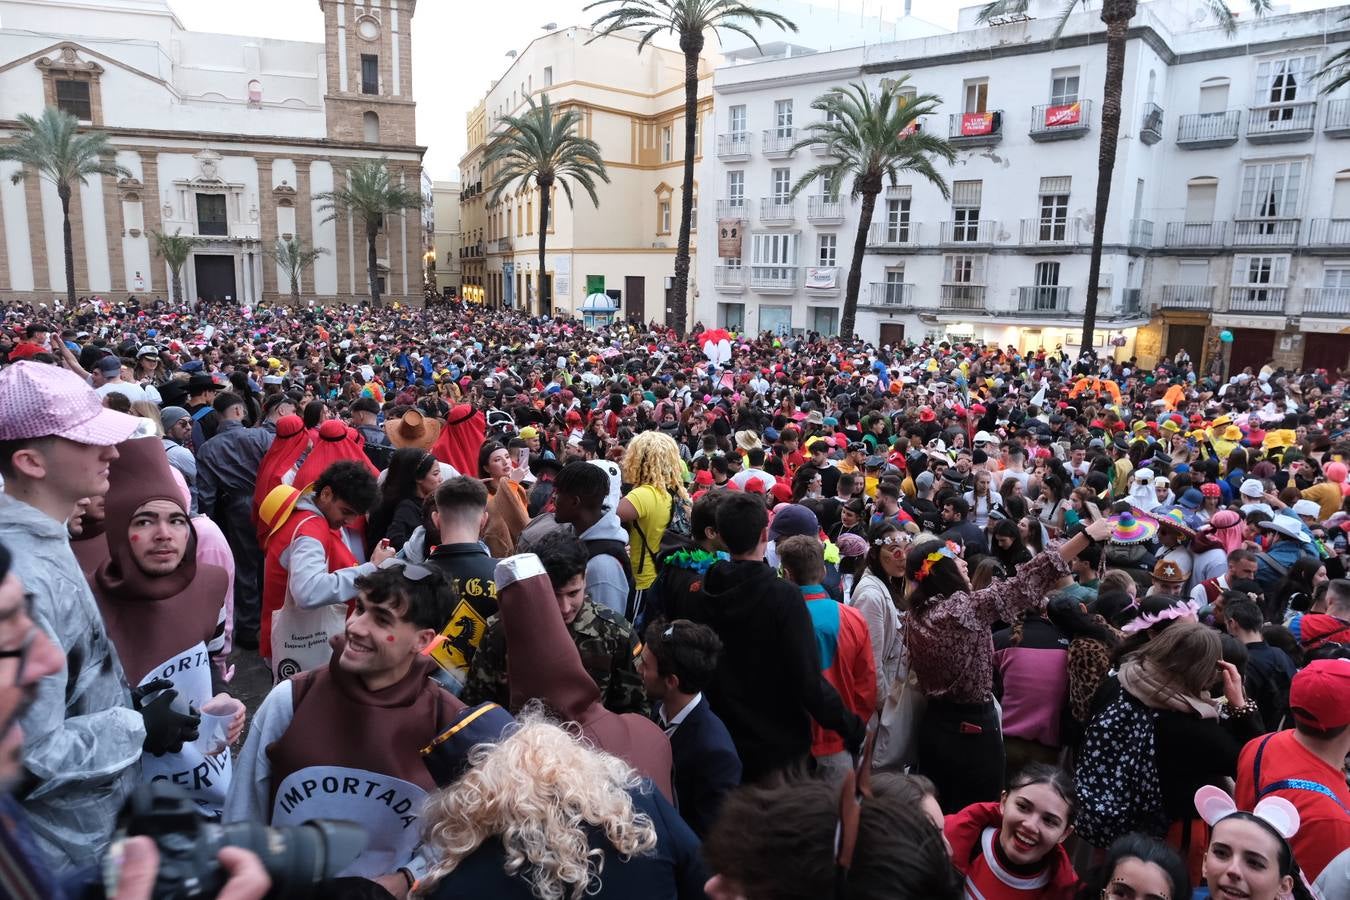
(554, 612)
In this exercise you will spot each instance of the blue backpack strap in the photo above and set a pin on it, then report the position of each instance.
(201, 413)
(1289, 784)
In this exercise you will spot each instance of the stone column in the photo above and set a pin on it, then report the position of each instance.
(267, 213)
(304, 217)
(37, 234)
(113, 230)
(150, 217)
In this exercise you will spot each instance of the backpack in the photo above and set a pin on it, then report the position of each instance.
(1119, 792)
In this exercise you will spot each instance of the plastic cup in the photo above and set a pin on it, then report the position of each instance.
(213, 733)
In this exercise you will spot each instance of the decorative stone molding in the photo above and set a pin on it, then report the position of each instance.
(67, 65)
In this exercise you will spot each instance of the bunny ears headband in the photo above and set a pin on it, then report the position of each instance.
(1213, 804)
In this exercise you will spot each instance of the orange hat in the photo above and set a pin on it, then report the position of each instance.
(276, 507)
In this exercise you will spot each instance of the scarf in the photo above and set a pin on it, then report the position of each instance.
(1148, 686)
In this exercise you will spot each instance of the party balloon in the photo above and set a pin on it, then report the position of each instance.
(1226, 336)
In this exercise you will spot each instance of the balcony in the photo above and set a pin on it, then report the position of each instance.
(1326, 301)
(1131, 302)
(901, 235)
(975, 129)
(1197, 131)
(778, 142)
(1051, 300)
(734, 147)
(1151, 124)
(1337, 124)
(1050, 232)
(1265, 232)
(777, 211)
(1060, 121)
(1267, 300)
(1141, 233)
(734, 208)
(1196, 235)
(774, 279)
(729, 279)
(962, 297)
(820, 148)
(889, 295)
(824, 210)
(1329, 233)
(969, 233)
(1282, 122)
(1186, 296)
(822, 281)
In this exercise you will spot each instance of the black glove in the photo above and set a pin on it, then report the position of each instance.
(166, 729)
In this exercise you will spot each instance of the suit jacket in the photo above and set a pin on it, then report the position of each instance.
(706, 767)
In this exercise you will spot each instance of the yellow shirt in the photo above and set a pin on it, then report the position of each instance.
(653, 508)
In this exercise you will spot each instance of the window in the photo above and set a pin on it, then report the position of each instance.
(665, 144)
(529, 215)
(966, 200)
(370, 73)
(977, 95)
(1064, 86)
(963, 268)
(829, 189)
(731, 316)
(897, 220)
(73, 97)
(782, 186)
(735, 189)
(1254, 271)
(1054, 214)
(370, 128)
(211, 214)
(782, 117)
(774, 249)
(1270, 190)
(1284, 80)
(1047, 274)
(548, 76)
(693, 213)
(736, 121)
(665, 216)
(827, 254)
(895, 285)
(1336, 277)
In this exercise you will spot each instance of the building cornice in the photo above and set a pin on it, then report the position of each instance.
(122, 136)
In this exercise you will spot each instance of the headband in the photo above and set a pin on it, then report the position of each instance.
(950, 551)
(1275, 813)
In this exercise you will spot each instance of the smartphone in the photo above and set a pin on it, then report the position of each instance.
(522, 457)
(1094, 511)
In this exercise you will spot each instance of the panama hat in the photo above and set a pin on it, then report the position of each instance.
(1127, 528)
(276, 507)
(413, 430)
(748, 440)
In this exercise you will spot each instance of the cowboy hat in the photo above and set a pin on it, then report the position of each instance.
(747, 440)
(1168, 571)
(413, 430)
(1286, 526)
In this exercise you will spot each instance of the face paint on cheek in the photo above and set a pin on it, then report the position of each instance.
(135, 538)
(389, 638)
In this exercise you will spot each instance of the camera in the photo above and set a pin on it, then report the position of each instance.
(295, 857)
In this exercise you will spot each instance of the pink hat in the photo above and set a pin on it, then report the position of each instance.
(40, 400)
(1336, 471)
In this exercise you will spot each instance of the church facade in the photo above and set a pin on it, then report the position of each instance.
(228, 139)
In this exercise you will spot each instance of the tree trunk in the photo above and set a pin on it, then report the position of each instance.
(176, 274)
(1116, 14)
(545, 204)
(692, 45)
(372, 263)
(869, 190)
(295, 287)
(68, 243)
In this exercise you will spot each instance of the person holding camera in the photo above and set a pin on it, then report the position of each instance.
(343, 742)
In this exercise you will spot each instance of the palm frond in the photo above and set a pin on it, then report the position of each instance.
(1337, 68)
(541, 145)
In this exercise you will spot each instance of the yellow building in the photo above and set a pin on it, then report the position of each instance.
(632, 105)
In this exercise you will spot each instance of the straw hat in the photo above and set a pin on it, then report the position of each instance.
(413, 430)
(747, 440)
(276, 507)
(1127, 528)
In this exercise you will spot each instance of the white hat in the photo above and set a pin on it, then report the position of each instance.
(1143, 475)
(1308, 508)
(1248, 508)
(1286, 526)
(984, 437)
(1252, 488)
(1161, 481)
(147, 350)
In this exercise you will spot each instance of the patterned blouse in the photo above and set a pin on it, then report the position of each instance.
(950, 640)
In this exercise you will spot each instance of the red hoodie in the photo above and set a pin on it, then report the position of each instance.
(972, 833)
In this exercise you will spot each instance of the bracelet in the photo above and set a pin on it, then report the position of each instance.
(1242, 711)
(407, 874)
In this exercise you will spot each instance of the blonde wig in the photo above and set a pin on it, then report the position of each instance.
(536, 791)
(654, 458)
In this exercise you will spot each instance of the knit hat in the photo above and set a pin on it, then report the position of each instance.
(170, 416)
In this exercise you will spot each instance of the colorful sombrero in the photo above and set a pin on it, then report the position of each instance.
(1127, 528)
(1176, 520)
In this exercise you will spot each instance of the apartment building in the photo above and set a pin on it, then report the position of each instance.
(1230, 206)
(447, 237)
(632, 105)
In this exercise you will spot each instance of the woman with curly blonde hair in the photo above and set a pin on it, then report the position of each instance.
(543, 815)
(652, 465)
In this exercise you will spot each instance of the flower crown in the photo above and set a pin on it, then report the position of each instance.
(950, 551)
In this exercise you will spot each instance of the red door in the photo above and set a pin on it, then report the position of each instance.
(1251, 347)
(1326, 351)
(892, 334)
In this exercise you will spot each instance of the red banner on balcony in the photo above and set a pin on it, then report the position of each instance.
(973, 124)
(1068, 114)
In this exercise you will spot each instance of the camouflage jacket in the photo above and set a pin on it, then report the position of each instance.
(609, 651)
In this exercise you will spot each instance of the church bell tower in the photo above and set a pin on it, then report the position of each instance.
(368, 48)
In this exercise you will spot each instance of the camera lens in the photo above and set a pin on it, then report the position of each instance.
(297, 856)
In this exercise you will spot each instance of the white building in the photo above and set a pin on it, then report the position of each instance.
(448, 237)
(1230, 204)
(226, 138)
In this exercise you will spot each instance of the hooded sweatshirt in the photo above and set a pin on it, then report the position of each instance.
(768, 685)
(168, 626)
(973, 834)
(82, 739)
(543, 663)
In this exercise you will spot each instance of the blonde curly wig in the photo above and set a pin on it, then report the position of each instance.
(654, 458)
(536, 791)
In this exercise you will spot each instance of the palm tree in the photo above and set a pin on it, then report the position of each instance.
(870, 139)
(1337, 68)
(175, 249)
(370, 195)
(53, 147)
(294, 257)
(542, 144)
(1116, 14)
(689, 21)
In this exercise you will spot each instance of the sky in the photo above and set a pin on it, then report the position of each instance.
(460, 46)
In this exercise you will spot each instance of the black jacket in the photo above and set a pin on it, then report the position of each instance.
(472, 572)
(706, 767)
(768, 686)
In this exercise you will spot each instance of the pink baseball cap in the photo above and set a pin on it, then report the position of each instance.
(39, 400)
